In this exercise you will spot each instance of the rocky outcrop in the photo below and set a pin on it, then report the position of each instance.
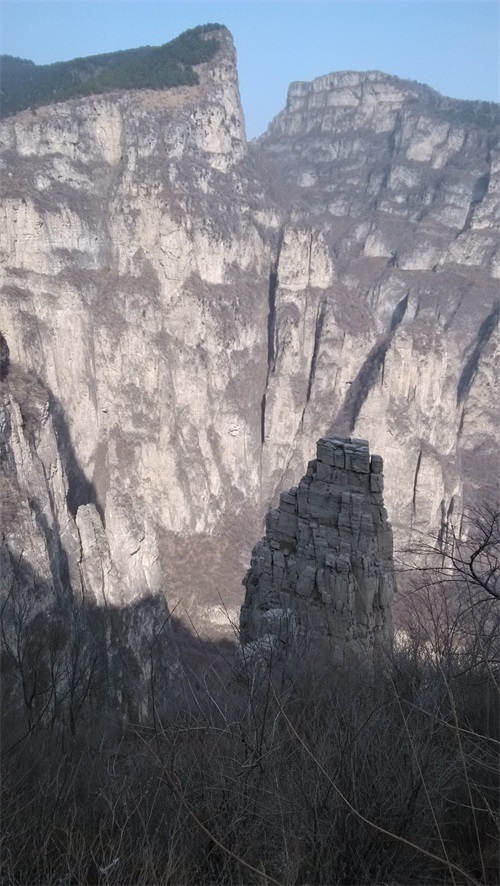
(324, 569)
(204, 310)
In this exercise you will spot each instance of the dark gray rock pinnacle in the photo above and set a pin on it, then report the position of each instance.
(4, 357)
(324, 569)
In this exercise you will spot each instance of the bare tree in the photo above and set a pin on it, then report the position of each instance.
(469, 552)
(477, 558)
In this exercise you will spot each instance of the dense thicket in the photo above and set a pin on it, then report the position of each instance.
(293, 773)
(26, 85)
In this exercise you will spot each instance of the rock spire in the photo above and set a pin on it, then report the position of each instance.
(325, 565)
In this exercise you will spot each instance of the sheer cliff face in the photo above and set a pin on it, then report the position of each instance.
(386, 309)
(203, 310)
(64, 600)
(134, 285)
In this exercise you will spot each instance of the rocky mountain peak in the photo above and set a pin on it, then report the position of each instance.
(376, 98)
(375, 83)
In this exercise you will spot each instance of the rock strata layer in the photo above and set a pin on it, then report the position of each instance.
(325, 566)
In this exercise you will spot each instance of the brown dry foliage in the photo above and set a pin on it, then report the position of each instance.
(299, 774)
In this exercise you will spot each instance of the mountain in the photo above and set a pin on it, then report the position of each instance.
(190, 313)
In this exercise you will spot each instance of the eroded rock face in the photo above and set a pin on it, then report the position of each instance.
(324, 569)
(385, 312)
(134, 284)
(56, 569)
(204, 310)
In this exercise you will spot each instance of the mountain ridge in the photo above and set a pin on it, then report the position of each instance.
(26, 85)
(184, 51)
(477, 111)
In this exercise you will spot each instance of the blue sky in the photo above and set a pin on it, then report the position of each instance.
(453, 45)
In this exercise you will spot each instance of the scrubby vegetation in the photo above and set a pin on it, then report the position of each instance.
(26, 85)
(293, 774)
(465, 112)
(462, 111)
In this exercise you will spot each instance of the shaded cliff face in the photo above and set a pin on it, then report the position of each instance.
(66, 604)
(203, 311)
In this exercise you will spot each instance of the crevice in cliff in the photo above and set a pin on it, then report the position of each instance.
(446, 515)
(271, 319)
(471, 365)
(4, 358)
(320, 319)
(309, 260)
(415, 480)
(461, 423)
(263, 419)
(393, 142)
(443, 529)
(366, 378)
(394, 139)
(272, 349)
(58, 558)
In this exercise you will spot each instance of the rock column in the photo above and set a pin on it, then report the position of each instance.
(324, 569)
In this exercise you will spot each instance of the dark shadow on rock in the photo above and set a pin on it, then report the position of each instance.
(32, 395)
(367, 377)
(81, 490)
(66, 660)
(471, 365)
(4, 358)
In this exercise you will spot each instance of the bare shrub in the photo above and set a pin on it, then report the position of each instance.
(296, 773)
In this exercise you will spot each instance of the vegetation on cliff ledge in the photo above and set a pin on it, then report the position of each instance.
(26, 85)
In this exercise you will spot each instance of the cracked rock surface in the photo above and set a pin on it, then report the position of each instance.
(324, 568)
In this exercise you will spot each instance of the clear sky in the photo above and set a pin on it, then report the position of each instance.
(452, 45)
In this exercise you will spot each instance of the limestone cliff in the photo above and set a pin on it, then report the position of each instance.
(325, 566)
(58, 579)
(126, 286)
(385, 312)
(203, 310)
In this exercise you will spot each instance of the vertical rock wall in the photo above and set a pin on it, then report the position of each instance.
(62, 599)
(324, 568)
